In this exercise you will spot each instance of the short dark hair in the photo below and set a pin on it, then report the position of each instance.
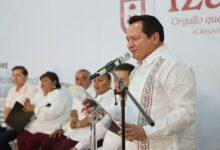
(150, 25)
(22, 68)
(125, 67)
(53, 77)
(108, 75)
(85, 70)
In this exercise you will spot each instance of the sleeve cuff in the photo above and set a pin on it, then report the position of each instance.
(150, 131)
(80, 146)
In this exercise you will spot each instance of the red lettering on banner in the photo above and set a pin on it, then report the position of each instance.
(209, 4)
(173, 6)
(188, 5)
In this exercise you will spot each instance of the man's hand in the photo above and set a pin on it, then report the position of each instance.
(134, 132)
(57, 133)
(27, 101)
(6, 112)
(8, 127)
(74, 123)
(28, 107)
(73, 148)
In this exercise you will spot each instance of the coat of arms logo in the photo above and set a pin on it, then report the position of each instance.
(130, 8)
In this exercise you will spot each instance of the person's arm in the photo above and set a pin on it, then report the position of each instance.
(57, 133)
(31, 93)
(79, 123)
(53, 109)
(179, 85)
(113, 113)
(28, 107)
(8, 104)
(60, 131)
(83, 123)
(7, 110)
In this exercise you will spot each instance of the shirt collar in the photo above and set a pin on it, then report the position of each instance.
(105, 94)
(155, 54)
(23, 88)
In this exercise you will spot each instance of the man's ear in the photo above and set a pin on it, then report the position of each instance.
(26, 77)
(156, 38)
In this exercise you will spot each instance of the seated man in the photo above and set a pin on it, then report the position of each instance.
(82, 79)
(21, 90)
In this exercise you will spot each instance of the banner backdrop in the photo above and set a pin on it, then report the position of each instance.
(66, 35)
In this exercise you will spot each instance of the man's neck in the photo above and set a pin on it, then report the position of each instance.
(155, 48)
(18, 88)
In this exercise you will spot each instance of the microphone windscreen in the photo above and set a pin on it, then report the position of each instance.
(125, 57)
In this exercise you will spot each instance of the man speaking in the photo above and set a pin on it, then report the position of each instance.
(164, 87)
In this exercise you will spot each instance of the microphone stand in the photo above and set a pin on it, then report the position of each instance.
(123, 92)
(94, 118)
(93, 143)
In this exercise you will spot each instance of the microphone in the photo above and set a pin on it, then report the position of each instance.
(111, 65)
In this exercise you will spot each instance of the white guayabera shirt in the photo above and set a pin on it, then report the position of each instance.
(26, 91)
(104, 100)
(166, 90)
(51, 112)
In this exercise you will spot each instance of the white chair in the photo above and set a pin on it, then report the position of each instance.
(2, 106)
(13, 144)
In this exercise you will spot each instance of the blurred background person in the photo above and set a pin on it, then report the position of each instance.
(82, 78)
(104, 97)
(51, 111)
(123, 72)
(76, 133)
(21, 90)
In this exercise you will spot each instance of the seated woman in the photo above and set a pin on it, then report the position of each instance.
(51, 111)
(77, 131)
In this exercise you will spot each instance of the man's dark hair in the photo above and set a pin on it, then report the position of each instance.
(22, 68)
(125, 67)
(150, 25)
(108, 75)
(53, 77)
(84, 70)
